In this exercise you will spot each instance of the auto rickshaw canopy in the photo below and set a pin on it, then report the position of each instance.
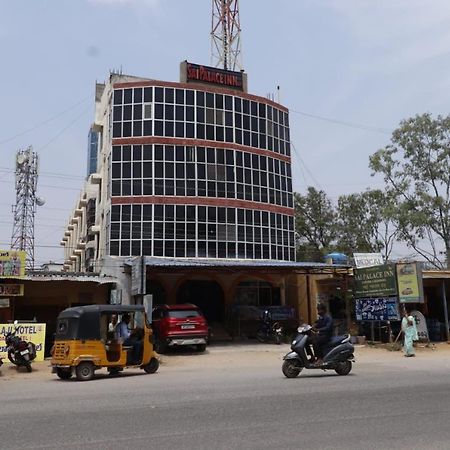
(83, 322)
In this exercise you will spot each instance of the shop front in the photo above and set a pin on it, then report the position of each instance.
(45, 295)
(233, 294)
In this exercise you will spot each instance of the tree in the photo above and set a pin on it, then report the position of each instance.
(416, 169)
(367, 223)
(315, 224)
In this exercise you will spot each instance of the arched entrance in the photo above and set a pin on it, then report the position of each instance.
(207, 295)
(157, 290)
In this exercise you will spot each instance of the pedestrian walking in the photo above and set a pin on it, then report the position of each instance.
(410, 335)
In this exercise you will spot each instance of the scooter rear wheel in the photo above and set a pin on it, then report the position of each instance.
(343, 367)
(291, 368)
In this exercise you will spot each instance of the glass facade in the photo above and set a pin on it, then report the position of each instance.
(219, 187)
(93, 142)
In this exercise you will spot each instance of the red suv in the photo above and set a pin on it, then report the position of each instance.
(175, 325)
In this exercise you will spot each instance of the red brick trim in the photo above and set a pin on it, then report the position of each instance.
(197, 142)
(203, 201)
(200, 87)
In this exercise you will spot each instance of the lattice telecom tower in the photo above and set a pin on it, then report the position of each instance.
(25, 208)
(226, 35)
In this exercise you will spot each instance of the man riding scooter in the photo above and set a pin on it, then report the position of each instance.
(323, 328)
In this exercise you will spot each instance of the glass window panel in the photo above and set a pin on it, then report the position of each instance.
(200, 98)
(125, 248)
(137, 187)
(158, 128)
(137, 95)
(169, 250)
(190, 97)
(114, 248)
(118, 96)
(148, 97)
(126, 129)
(128, 96)
(169, 129)
(159, 94)
(190, 130)
(137, 128)
(117, 113)
(147, 169)
(179, 96)
(125, 230)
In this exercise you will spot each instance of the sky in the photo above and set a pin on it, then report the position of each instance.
(349, 71)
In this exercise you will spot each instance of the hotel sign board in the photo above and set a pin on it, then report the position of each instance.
(195, 73)
(377, 281)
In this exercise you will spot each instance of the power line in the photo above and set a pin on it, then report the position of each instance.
(306, 167)
(344, 123)
(35, 127)
(64, 129)
(48, 174)
(47, 186)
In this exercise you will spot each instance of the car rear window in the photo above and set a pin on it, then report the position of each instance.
(183, 313)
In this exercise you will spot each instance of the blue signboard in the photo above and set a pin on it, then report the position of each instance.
(384, 308)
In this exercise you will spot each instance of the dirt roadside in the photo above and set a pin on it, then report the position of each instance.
(221, 356)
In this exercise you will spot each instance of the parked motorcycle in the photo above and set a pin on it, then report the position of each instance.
(268, 330)
(20, 352)
(338, 354)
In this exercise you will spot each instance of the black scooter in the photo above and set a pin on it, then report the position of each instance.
(338, 354)
(20, 352)
(268, 330)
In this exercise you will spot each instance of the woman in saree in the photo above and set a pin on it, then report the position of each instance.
(410, 333)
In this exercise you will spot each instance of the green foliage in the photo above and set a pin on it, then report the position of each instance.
(361, 223)
(416, 169)
(315, 220)
(366, 223)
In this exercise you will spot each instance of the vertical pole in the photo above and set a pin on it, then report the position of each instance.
(347, 303)
(444, 304)
(308, 299)
(372, 331)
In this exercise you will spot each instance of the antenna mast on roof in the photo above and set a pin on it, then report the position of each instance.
(226, 35)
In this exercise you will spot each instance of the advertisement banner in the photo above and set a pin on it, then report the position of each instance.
(12, 263)
(137, 266)
(377, 309)
(11, 290)
(409, 280)
(421, 325)
(368, 259)
(377, 281)
(30, 332)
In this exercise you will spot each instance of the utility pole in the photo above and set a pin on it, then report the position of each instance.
(226, 35)
(25, 208)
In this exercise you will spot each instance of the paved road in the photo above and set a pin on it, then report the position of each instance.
(235, 399)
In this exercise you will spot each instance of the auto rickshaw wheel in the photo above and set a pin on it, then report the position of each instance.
(152, 366)
(84, 371)
(64, 374)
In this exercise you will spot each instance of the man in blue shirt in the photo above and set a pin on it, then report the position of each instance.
(324, 330)
(122, 330)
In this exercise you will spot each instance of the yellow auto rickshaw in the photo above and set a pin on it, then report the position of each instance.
(91, 337)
